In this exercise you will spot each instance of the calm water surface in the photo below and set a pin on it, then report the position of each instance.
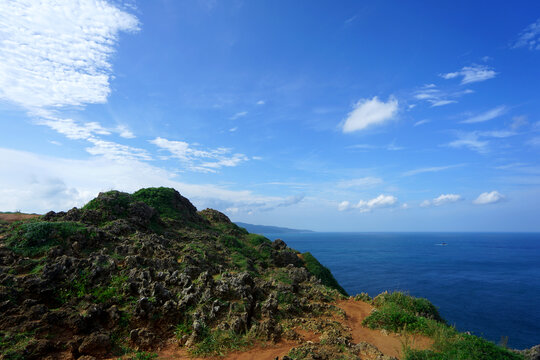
(485, 283)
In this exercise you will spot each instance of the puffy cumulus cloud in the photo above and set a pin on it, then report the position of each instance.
(471, 74)
(489, 198)
(370, 112)
(381, 201)
(36, 183)
(442, 200)
(56, 53)
(529, 37)
(199, 160)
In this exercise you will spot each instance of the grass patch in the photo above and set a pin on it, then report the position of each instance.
(35, 238)
(321, 272)
(463, 347)
(220, 343)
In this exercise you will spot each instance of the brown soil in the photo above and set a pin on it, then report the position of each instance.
(388, 343)
(16, 217)
(262, 351)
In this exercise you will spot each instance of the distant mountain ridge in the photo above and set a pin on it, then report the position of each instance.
(265, 229)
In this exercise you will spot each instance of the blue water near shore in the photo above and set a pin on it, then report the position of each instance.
(485, 283)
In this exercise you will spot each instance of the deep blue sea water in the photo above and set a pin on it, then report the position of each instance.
(485, 283)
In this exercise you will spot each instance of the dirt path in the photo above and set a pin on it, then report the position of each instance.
(389, 344)
(16, 217)
(258, 352)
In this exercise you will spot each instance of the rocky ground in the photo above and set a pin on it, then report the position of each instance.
(145, 274)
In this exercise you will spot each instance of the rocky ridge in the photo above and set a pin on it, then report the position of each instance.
(129, 274)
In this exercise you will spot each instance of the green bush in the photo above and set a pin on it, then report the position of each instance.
(413, 305)
(393, 318)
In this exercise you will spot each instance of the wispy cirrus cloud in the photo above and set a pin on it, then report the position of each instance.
(240, 114)
(364, 182)
(441, 200)
(475, 140)
(470, 141)
(381, 201)
(437, 97)
(486, 116)
(370, 112)
(199, 160)
(430, 169)
(529, 37)
(472, 74)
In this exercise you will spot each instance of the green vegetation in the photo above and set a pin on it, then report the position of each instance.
(413, 305)
(110, 204)
(163, 200)
(12, 345)
(399, 312)
(182, 329)
(463, 347)
(220, 342)
(81, 287)
(143, 355)
(37, 237)
(322, 272)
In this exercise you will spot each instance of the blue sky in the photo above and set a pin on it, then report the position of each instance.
(348, 116)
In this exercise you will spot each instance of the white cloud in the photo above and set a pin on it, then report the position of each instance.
(381, 201)
(233, 129)
(429, 169)
(364, 182)
(488, 198)
(497, 133)
(239, 115)
(36, 183)
(369, 112)
(518, 121)
(471, 74)
(529, 37)
(437, 97)
(421, 122)
(261, 102)
(193, 158)
(56, 53)
(486, 116)
(535, 141)
(73, 130)
(115, 151)
(436, 103)
(124, 132)
(470, 141)
(441, 200)
(390, 147)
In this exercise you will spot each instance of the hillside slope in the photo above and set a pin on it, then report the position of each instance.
(128, 275)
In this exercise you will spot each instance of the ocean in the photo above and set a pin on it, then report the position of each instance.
(485, 283)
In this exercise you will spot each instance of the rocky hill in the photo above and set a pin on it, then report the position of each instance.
(141, 275)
